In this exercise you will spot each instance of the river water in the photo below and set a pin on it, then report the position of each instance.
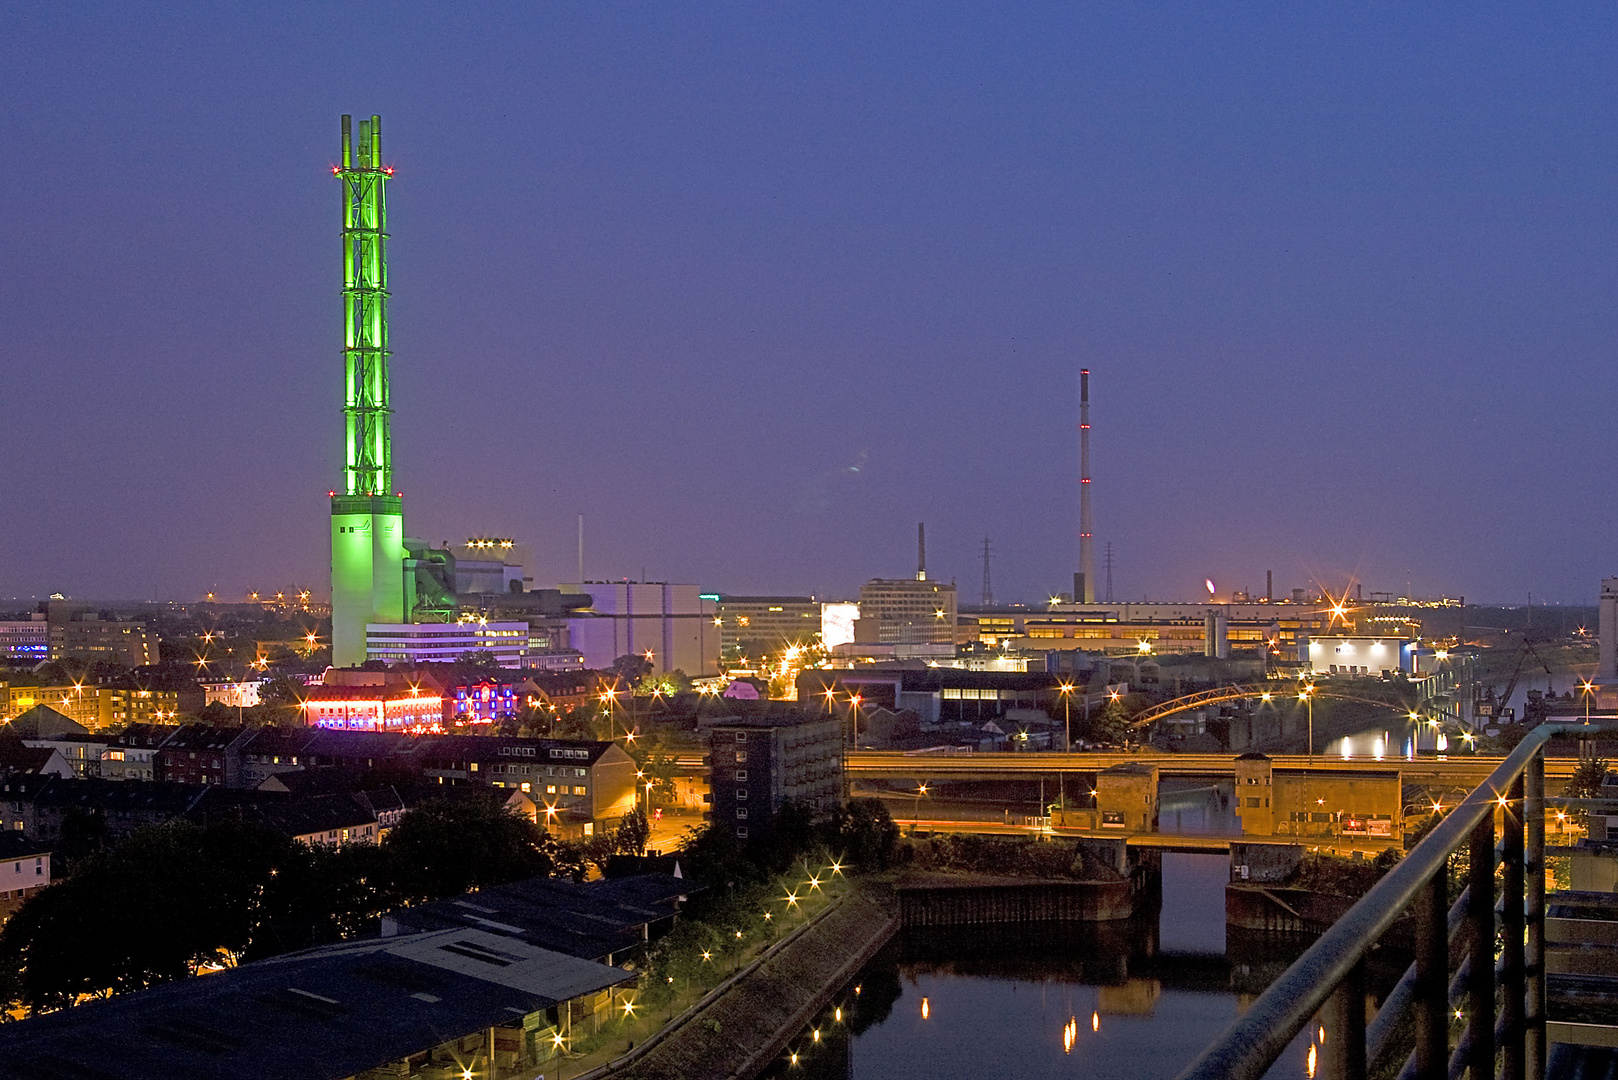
(1134, 1000)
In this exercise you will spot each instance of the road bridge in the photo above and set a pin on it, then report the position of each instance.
(1461, 769)
(1180, 843)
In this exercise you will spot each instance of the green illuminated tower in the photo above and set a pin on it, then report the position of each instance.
(367, 519)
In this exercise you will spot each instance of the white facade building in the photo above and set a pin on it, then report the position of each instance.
(444, 643)
(1344, 655)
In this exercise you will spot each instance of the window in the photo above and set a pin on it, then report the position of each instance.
(741, 756)
(580, 791)
(741, 795)
(1252, 803)
(741, 812)
(741, 774)
(741, 832)
(741, 736)
(550, 789)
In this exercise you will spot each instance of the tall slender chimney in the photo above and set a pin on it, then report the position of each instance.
(921, 551)
(1084, 582)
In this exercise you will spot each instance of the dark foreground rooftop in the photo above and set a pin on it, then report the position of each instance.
(322, 1014)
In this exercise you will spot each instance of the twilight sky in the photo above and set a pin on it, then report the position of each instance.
(757, 287)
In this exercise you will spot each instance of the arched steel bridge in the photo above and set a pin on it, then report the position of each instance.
(1264, 691)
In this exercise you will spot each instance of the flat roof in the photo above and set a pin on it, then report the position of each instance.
(322, 1014)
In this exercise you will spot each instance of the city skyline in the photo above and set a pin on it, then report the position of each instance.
(756, 294)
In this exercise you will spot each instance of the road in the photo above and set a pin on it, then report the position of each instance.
(1468, 770)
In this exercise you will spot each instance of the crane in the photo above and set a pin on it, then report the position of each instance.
(1494, 706)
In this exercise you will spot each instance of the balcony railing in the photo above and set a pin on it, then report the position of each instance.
(1496, 997)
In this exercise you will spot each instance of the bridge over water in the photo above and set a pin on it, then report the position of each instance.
(1467, 770)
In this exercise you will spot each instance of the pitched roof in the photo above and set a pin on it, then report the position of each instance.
(592, 920)
(194, 737)
(322, 1014)
(43, 720)
(15, 845)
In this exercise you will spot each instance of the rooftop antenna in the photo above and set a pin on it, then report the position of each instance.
(921, 551)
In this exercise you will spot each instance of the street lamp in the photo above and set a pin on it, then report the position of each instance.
(1586, 689)
(1306, 695)
(915, 815)
(1067, 712)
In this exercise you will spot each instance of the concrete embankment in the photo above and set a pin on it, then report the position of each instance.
(965, 900)
(741, 1029)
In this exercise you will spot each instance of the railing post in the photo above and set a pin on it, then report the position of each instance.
(1511, 932)
(1345, 1048)
(1534, 916)
(1432, 978)
(1480, 917)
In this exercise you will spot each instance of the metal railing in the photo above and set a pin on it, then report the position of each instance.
(1499, 1005)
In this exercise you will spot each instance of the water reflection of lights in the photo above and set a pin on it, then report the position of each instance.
(1309, 1066)
(1095, 1021)
(926, 1008)
(1070, 1032)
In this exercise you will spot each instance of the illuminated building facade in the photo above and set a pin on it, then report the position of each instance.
(367, 516)
(758, 626)
(1343, 655)
(374, 708)
(444, 643)
(25, 641)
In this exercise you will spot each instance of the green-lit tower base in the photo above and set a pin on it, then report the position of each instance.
(367, 519)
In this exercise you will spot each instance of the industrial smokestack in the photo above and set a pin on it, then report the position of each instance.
(1269, 585)
(921, 551)
(1084, 582)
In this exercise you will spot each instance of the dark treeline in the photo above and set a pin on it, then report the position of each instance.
(178, 898)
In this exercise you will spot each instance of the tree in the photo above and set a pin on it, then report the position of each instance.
(865, 833)
(442, 848)
(630, 668)
(1585, 783)
(632, 833)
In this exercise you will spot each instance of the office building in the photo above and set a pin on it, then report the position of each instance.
(24, 642)
(79, 632)
(578, 786)
(444, 643)
(753, 627)
(758, 765)
(906, 611)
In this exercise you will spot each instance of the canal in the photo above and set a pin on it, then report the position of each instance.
(1125, 1000)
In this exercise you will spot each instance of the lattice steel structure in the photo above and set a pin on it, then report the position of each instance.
(367, 563)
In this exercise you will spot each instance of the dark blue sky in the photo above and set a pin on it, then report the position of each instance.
(756, 288)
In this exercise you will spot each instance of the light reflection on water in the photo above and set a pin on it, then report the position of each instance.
(1131, 1001)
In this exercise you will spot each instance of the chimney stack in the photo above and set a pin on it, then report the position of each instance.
(1084, 582)
(921, 551)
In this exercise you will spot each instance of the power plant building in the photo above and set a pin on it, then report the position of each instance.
(671, 625)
